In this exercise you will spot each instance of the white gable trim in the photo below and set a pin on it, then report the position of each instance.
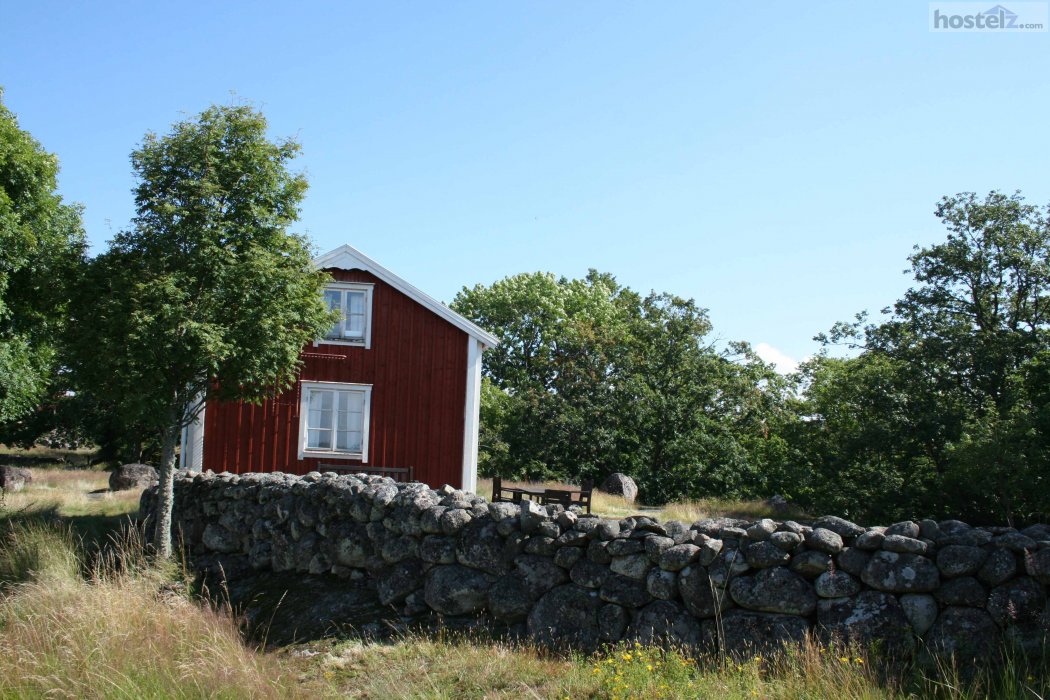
(349, 258)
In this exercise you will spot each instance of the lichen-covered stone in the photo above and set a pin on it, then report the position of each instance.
(747, 633)
(775, 590)
(964, 590)
(454, 589)
(836, 584)
(679, 556)
(699, 593)
(960, 560)
(921, 611)
(1019, 600)
(762, 555)
(662, 584)
(566, 616)
(868, 618)
(901, 573)
(663, 623)
(967, 634)
(823, 540)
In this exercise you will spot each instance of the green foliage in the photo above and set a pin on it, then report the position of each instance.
(41, 245)
(944, 412)
(207, 284)
(591, 378)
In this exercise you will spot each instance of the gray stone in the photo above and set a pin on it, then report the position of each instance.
(622, 547)
(662, 584)
(541, 545)
(14, 479)
(709, 549)
(454, 519)
(903, 545)
(787, 541)
(1020, 600)
(960, 560)
(540, 574)
(901, 573)
(509, 599)
(454, 589)
(619, 484)
(635, 566)
(761, 531)
(607, 530)
(823, 540)
(566, 557)
(810, 564)
(921, 611)
(663, 623)
(906, 528)
(588, 574)
(567, 519)
(836, 584)
(566, 616)
(612, 621)
(624, 591)
(1015, 542)
(999, 567)
(480, 546)
(929, 530)
(679, 556)
(549, 529)
(394, 583)
(130, 476)
(655, 546)
(531, 515)
(1037, 564)
(967, 634)
(747, 633)
(219, 539)
(435, 549)
(869, 618)
(598, 552)
(678, 531)
(503, 510)
(727, 566)
(853, 560)
(762, 555)
(775, 590)
(870, 541)
(841, 527)
(964, 590)
(399, 548)
(701, 597)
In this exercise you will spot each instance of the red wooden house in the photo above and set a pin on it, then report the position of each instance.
(395, 385)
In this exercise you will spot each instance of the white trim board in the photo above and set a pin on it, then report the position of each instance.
(472, 415)
(347, 257)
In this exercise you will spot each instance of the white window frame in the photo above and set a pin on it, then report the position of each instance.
(365, 287)
(304, 413)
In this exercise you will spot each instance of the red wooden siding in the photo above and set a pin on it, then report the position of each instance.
(417, 367)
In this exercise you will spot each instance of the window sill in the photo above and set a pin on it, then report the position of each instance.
(336, 341)
(332, 455)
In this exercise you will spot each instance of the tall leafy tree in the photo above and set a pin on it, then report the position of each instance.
(41, 247)
(208, 293)
(959, 358)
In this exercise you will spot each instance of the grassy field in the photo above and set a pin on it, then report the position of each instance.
(77, 621)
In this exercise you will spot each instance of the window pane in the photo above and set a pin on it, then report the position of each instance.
(355, 301)
(349, 441)
(319, 439)
(334, 299)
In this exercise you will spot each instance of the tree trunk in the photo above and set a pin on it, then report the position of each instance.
(165, 494)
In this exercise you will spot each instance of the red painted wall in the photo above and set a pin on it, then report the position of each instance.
(417, 367)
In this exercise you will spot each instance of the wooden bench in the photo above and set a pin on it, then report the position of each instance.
(400, 474)
(565, 497)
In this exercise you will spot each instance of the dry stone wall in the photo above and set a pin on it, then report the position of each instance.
(563, 578)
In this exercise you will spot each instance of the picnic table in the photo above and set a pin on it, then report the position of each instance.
(566, 497)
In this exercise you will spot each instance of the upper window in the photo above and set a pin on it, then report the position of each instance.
(354, 304)
(333, 420)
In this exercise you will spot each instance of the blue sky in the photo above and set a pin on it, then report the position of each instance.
(775, 161)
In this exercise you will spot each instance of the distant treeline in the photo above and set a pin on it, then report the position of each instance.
(940, 409)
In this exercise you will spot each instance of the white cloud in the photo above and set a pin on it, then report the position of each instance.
(783, 363)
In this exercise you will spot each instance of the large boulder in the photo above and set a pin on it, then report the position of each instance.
(869, 618)
(967, 634)
(666, 623)
(901, 573)
(132, 476)
(452, 589)
(14, 479)
(775, 590)
(566, 616)
(620, 485)
(745, 633)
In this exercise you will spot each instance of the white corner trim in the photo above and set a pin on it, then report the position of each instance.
(304, 411)
(472, 415)
(191, 449)
(349, 258)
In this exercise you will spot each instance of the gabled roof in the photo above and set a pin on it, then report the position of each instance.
(347, 257)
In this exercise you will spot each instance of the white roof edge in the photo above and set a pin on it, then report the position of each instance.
(346, 257)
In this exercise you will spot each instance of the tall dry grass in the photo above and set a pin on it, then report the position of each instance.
(114, 627)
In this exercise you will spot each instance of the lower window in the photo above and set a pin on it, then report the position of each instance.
(333, 420)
